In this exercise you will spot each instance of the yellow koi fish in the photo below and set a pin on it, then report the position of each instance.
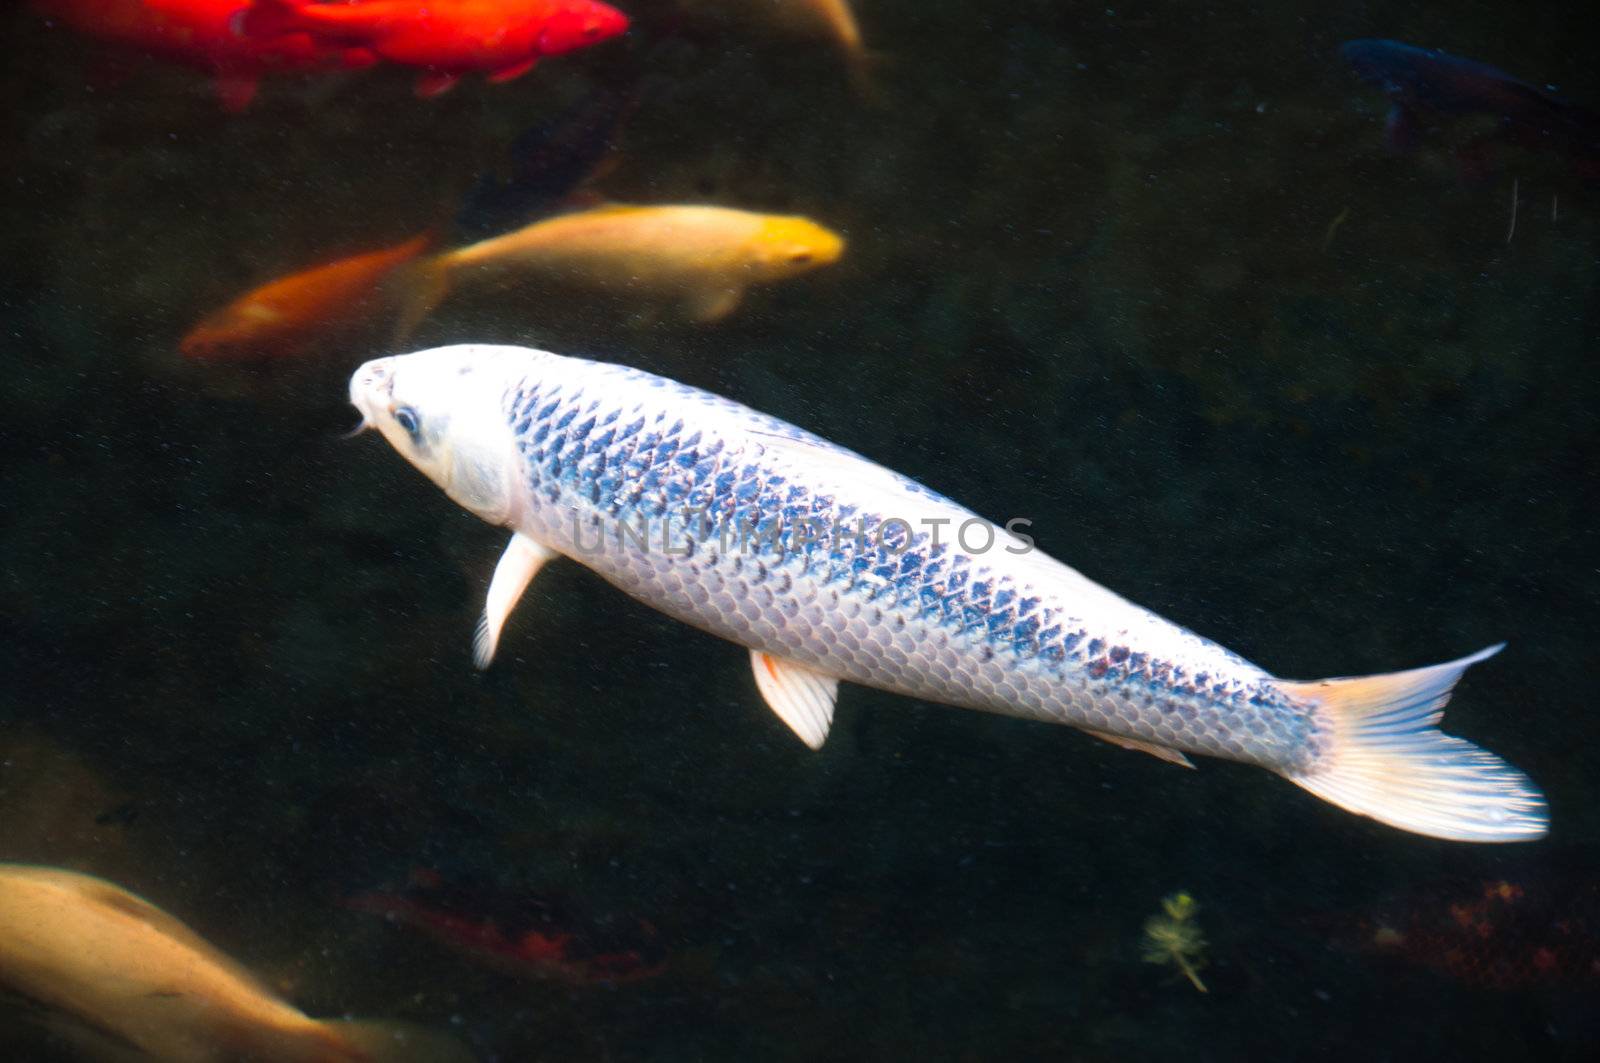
(123, 980)
(698, 258)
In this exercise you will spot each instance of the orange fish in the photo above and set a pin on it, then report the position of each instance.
(447, 38)
(201, 34)
(289, 316)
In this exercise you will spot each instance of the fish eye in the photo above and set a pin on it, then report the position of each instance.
(406, 418)
(800, 258)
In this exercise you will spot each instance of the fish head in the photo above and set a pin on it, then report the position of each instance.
(578, 24)
(444, 410)
(789, 244)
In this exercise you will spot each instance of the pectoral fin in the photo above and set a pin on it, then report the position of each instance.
(436, 83)
(711, 304)
(1171, 756)
(235, 91)
(801, 696)
(515, 70)
(1400, 129)
(518, 565)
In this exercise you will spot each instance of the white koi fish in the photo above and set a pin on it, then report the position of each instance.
(829, 567)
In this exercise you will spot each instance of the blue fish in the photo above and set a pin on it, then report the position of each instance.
(1426, 84)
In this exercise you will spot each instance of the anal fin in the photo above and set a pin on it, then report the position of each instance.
(802, 697)
(517, 566)
(1171, 756)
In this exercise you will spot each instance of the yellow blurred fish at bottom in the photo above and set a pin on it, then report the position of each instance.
(120, 979)
(699, 259)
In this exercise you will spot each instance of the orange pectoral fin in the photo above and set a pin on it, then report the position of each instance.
(512, 72)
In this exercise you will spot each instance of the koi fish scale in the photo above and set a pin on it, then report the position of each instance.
(626, 486)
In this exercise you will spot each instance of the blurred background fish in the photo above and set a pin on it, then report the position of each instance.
(293, 315)
(519, 932)
(1427, 87)
(695, 260)
(445, 38)
(1518, 933)
(312, 310)
(201, 34)
(117, 978)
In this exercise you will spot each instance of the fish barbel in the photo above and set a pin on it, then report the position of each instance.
(829, 567)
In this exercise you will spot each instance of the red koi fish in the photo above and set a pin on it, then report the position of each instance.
(1506, 935)
(289, 316)
(200, 34)
(446, 38)
(519, 934)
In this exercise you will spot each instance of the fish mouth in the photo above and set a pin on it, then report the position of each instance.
(371, 386)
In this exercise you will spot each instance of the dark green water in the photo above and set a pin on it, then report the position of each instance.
(1147, 276)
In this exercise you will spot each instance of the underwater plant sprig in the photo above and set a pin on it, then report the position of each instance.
(1174, 938)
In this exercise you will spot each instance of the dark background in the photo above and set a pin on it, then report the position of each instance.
(1094, 279)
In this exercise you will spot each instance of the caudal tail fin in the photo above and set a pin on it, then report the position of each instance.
(1389, 760)
(423, 286)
